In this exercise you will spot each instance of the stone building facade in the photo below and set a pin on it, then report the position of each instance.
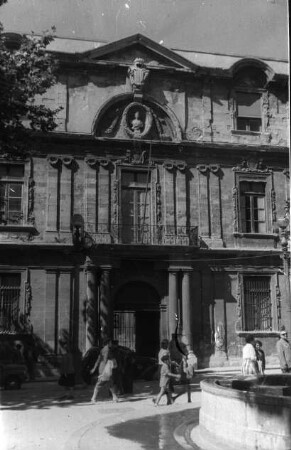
(153, 208)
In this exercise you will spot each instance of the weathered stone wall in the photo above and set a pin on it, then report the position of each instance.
(204, 108)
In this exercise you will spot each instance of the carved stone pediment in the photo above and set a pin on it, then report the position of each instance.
(138, 46)
(127, 119)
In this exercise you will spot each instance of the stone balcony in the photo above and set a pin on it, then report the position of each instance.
(144, 235)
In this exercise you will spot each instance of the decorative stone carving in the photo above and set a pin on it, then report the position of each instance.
(138, 74)
(214, 168)
(69, 162)
(115, 210)
(159, 212)
(273, 204)
(235, 208)
(182, 166)
(278, 303)
(171, 165)
(30, 215)
(202, 168)
(54, 161)
(238, 323)
(252, 166)
(194, 134)
(92, 161)
(105, 163)
(25, 319)
(219, 337)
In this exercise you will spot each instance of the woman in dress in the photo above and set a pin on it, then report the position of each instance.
(249, 365)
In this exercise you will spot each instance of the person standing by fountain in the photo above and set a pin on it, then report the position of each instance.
(249, 365)
(261, 360)
(284, 352)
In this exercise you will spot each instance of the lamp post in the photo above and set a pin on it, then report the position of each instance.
(284, 225)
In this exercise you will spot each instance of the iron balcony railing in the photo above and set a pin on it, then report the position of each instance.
(144, 234)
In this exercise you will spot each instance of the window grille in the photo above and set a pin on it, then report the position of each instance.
(257, 304)
(9, 301)
(252, 207)
(124, 328)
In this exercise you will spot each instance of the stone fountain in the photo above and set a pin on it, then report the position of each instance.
(250, 413)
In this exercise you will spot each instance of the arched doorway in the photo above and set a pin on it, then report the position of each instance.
(137, 318)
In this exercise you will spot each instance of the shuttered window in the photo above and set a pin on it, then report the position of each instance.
(11, 193)
(248, 111)
(252, 207)
(257, 304)
(135, 208)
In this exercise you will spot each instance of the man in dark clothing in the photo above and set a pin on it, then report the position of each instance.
(284, 352)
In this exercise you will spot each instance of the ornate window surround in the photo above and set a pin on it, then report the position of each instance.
(254, 175)
(132, 166)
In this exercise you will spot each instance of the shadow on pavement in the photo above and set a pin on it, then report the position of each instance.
(154, 432)
(44, 395)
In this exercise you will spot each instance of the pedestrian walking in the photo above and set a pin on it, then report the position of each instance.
(105, 363)
(164, 350)
(67, 371)
(284, 351)
(261, 360)
(165, 377)
(249, 365)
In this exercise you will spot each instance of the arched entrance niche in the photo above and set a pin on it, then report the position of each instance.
(137, 318)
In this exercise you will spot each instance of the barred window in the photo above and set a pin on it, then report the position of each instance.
(11, 193)
(257, 304)
(9, 301)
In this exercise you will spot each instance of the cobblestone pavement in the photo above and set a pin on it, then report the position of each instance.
(38, 418)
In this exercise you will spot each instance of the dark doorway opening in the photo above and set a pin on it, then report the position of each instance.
(147, 333)
(137, 318)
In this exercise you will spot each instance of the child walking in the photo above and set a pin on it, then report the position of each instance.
(165, 376)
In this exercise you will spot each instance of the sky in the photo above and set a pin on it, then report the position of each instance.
(235, 27)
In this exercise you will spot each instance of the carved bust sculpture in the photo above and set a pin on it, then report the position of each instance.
(137, 124)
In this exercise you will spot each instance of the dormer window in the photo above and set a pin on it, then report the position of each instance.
(249, 86)
(248, 111)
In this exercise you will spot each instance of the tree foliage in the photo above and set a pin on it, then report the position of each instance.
(26, 73)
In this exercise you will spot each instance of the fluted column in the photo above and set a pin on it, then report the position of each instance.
(173, 300)
(106, 307)
(91, 306)
(186, 309)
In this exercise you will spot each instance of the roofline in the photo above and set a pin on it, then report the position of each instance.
(103, 43)
(140, 39)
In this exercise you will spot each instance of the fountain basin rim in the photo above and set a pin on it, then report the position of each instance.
(212, 386)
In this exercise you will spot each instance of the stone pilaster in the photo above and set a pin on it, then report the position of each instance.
(173, 300)
(186, 309)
